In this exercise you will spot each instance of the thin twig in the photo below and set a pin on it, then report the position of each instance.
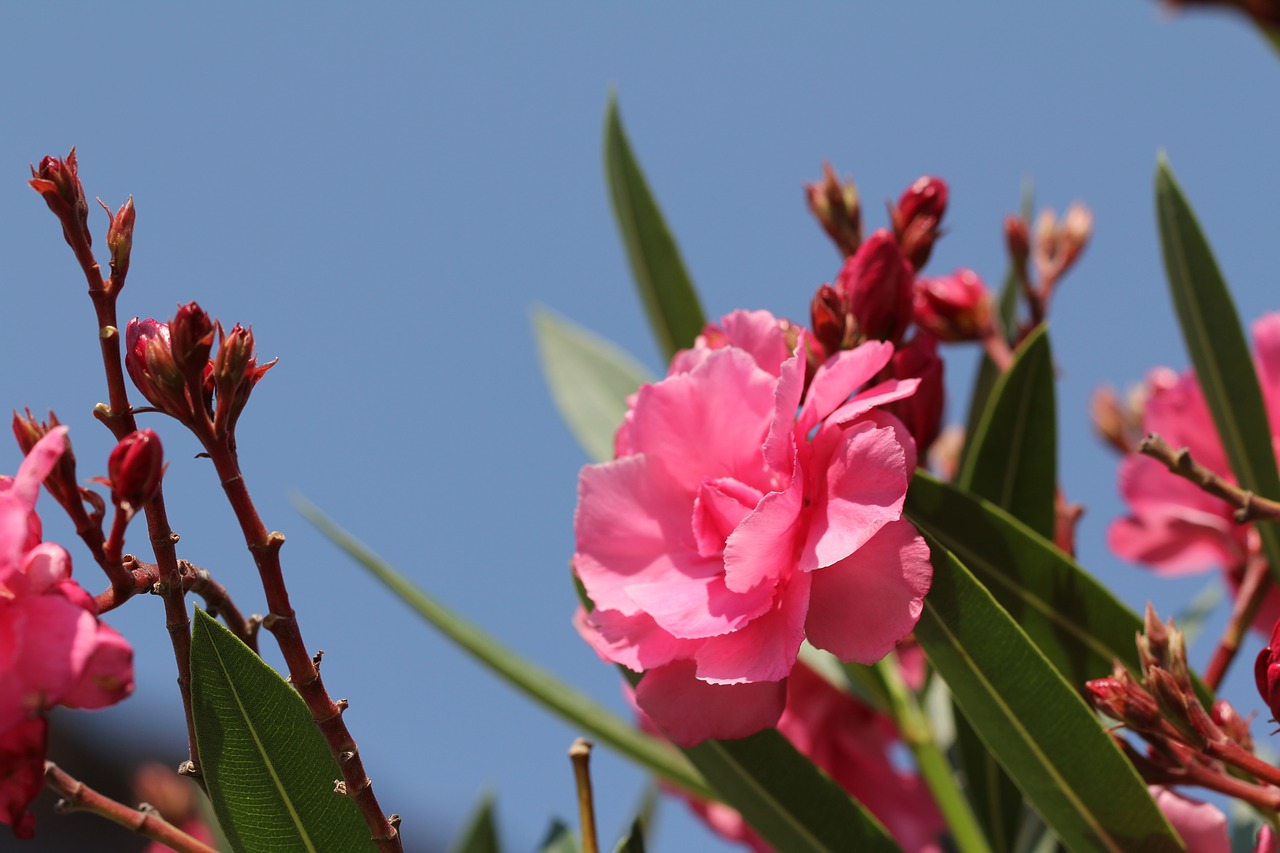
(1248, 506)
(580, 755)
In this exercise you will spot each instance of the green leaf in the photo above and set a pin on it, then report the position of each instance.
(791, 803)
(480, 835)
(559, 839)
(1075, 622)
(1040, 730)
(538, 684)
(1012, 460)
(633, 841)
(1218, 350)
(590, 379)
(268, 769)
(668, 294)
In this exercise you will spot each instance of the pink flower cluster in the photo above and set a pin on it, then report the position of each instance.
(53, 649)
(852, 744)
(1173, 525)
(746, 511)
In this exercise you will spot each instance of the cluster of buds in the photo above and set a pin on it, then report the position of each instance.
(170, 364)
(1059, 242)
(834, 203)
(1187, 744)
(954, 307)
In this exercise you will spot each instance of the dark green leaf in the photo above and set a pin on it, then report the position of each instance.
(544, 688)
(589, 379)
(1039, 729)
(1218, 350)
(480, 835)
(791, 803)
(269, 771)
(668, 294)
(633, 841)
(560, 839)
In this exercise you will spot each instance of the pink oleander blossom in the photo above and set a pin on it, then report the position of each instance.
(744, 513)
(1201, 826)
(851, 743)
(1173, 525)
(53, 649)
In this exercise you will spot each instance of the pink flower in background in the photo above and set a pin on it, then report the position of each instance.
(744, 514)
(851, 743)
(53, 649)
(1174, 526)
(1201, 826)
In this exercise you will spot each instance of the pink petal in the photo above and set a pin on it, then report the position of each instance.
(1181, 416)
(690, 711)
(710, 422)
(859, 488)
(764, 650)
(1266, 344)
(1202, 826)
(721, 506)
(760, 334)
(763, 547)
(107, 677)
(37, 465)
(885, 392)
(636, 642)
(700, 607)
(864, 605)
(838, 378)
(780, 446)
(633, 525)
(22, 752)
(56, 641)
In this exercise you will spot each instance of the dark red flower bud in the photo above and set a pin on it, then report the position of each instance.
(876, 286)
(120, 241)
(835, 206)
(1266, 671)
(921, 413)
(58, 182)
(135, 469)
(235, 372)
(149, 360)
(829, 321)
(1236, 727)
(956, 307)
(191, 339)
(1121, 698)
(61, 481)
(917, 218)
(1017, 238)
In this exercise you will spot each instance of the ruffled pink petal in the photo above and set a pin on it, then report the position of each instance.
(690, 711)
(838, 378)
(107, 676)
(632, 525)
(710, 422)
(864, 605)
(57, 640)
(1181, 416)
(860, 488)
(721, 506)
(780, 446)
(765, 649)
(760, 334)
(763, 547)
(636, 642)
(700, 607)
(1202, 826)
(45, 566)
(885, 392)
(1171, 545)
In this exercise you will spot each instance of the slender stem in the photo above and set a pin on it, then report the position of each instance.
(1249, 507)
(1254, 586)
(78, 796)
(998, 351)
(122, 581)
(917, 734)
(282, 622)
(580, 755)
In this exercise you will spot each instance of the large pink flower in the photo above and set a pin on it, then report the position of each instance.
(1173, 525)
(744, 513)
(53, 649)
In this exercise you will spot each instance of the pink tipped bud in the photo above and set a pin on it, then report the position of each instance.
(1123, 699)
(876, 287)
(1109, 420)
(1059, 243)
(917, 218)
(61, 481)
(120, 240)
(135, 469)
(1236, 727)
(835, 206)
(235, 373)
(191, 339)
(149, 360)
(921, 413)
(955, 307)
(58, 182)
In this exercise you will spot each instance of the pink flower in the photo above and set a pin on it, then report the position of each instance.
(743, 514)
(851, 743)
(22, 750)
(1201, 826)
(1174, 526)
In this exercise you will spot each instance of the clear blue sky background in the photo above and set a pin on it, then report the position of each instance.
(385, 191)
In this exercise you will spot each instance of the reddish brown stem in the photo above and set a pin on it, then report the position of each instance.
(1249, 507)
(78, 796)
(282, 622)
(1253, 588)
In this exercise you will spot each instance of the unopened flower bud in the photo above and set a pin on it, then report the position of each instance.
(1109, 421)
(921, 413)
(917, 218)
(61, 481)
(828, 319)
(876, 286)
(235, 372)
(135, 469)
(191, 339)
(149, 360)
(1236, 727)
(1155, 639)
(1017, 238)
(58, 182)
(1059, 243)
(955, 307)
(120, 240)
(1123, 699)
(1266, 671)
(1176, 706)
(835, 205)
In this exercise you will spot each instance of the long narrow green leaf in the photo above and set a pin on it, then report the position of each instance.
(1076, 623)
(1218, 350)
(524, 675)
(589, 378)
(268, 769)
(791, 803)
(670, 300)
(480, 834)
(1041, 731)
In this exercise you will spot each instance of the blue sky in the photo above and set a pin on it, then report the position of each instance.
(384, 192)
